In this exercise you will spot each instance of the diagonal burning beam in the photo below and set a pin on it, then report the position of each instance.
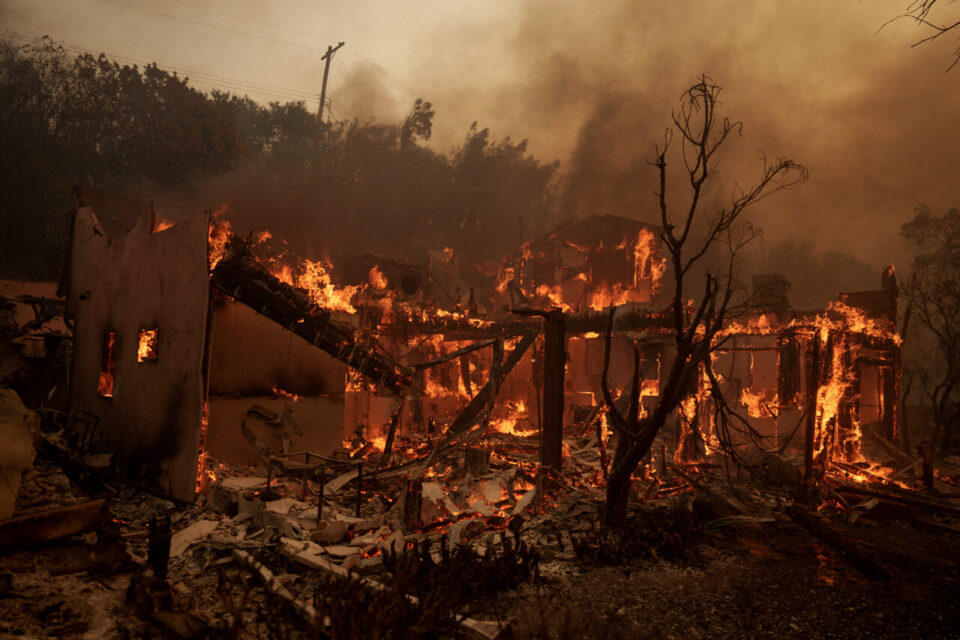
(240, 277)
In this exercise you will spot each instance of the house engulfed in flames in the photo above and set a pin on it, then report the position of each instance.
(196, 349)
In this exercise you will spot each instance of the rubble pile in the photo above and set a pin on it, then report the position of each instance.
(269, 551)
(251, 447)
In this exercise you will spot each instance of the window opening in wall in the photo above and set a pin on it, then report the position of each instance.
(108, 365)
(147, 345)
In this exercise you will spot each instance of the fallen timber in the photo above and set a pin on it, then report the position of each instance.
(509, 324)
(241, 278)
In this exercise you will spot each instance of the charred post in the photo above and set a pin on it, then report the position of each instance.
(554, 365)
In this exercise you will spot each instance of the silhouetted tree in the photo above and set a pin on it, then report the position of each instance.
(92, 121)
(417, 124)
(144, 131)
(33, 204)
(694, 326)
(503, 194)
(935, 302)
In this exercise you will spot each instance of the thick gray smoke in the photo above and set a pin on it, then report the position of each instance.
(872, 119)
(592, 84)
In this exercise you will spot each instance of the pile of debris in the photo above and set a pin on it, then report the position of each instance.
(416, 542)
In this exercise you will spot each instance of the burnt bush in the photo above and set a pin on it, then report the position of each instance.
(421, 595)
(347, 608)
(462, 570)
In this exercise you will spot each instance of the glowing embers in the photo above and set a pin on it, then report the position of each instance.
(205, 472)
(108, 365)
(515, 422)
(147, 345)
(161, 224)
(281, 393)
(760, 403)
(377, 280)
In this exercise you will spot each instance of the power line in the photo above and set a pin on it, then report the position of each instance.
(206, 78)
(343, 111)
(273, 26)
(199, 76)
(253, 35)
(211, 26)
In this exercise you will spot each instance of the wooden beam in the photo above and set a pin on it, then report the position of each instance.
(471, 414)
(241, 278)
(554, 366)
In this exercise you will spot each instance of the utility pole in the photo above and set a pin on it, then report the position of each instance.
(328, 56)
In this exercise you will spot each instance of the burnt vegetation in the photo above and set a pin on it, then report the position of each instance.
(144, 131)
(702, 132)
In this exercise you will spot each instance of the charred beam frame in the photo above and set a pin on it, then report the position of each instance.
(240, 277)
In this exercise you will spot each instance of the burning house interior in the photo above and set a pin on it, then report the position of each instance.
(600, 426)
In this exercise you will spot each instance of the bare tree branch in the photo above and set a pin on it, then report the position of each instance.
(696, 326)
(919, 11)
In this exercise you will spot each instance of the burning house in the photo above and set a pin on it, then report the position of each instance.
(354, 412)
(385, 391)
(237, 365)
(163, 356)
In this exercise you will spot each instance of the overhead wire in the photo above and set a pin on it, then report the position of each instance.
(249, 19)
(391, 79)
(215, 81)
(194, 75)
(211, 26)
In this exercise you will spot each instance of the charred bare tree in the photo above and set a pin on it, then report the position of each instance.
(695, 327)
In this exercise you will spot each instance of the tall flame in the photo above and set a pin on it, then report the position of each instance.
(218, 236)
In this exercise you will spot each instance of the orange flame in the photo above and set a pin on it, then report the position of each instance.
(147, 345)
(376, 278)
(648, 263)
(515, 422)
(759, 404)
(204, 475)
(161, 224)
(218, 236)
(555, 295)
(277, 391)
(108, 365)
(504, 278)
(314, 277)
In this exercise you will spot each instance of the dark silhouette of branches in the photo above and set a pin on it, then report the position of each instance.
(935, 301)
(696, 325)
(144, 131)
(920, 11)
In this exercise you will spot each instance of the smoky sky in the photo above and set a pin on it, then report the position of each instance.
(592, 84)
(874, 121)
